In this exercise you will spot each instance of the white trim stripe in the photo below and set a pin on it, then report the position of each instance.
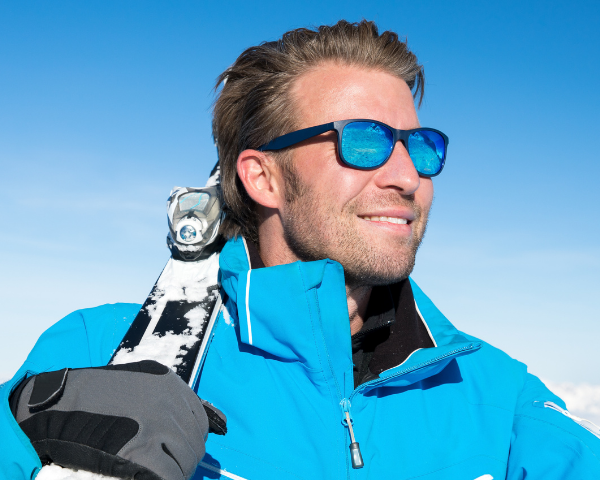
(212, 468)
(426, 326)
(247, 252)
(248, 307)
(207, 334)
(582, 422)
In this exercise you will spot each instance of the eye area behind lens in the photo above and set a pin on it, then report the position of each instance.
(366, 144)
(427, 150)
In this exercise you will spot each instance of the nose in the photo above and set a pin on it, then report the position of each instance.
(399, 172)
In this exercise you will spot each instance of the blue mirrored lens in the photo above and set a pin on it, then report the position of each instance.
(366, 144)
(427, 150)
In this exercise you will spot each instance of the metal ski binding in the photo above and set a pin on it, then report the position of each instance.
(195, 215)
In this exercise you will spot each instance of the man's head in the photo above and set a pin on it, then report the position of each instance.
(303, 202)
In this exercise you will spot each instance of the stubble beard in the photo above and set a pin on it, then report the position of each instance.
(313, 230)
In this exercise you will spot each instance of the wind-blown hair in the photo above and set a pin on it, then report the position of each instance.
(254, 104)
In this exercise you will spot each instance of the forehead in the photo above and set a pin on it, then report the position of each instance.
(331, 92)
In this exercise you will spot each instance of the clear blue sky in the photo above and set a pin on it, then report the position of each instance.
(105, 106)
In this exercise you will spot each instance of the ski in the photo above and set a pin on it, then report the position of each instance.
(172, 325)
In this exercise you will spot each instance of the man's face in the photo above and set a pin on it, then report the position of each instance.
(369, 221)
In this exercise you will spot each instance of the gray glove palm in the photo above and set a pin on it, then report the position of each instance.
(134, 420)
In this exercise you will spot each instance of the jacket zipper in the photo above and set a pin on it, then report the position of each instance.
(355, 455)
(345, 404)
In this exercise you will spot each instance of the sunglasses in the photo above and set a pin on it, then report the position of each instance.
(368, 144)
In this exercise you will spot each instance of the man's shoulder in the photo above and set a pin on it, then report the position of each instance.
(110, 318)
(546, 437)
(110, 315)
(105, 326)
(85, 337)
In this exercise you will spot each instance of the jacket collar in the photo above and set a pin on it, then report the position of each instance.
(282, 310)
(273, 308)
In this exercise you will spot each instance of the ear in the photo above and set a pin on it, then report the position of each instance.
(261, 178)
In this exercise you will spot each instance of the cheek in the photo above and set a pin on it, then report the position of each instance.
(329, 179)
(341, 189)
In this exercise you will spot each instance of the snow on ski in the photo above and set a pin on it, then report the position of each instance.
(175, 316)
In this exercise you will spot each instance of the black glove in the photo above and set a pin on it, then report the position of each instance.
(133, 420)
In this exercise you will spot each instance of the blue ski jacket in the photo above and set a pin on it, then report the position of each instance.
(280, 367)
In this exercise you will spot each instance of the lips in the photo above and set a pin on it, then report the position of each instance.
(394, 220)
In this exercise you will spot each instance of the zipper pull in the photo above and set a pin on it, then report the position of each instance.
(355, 455)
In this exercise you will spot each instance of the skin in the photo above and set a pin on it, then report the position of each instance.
(330, 219)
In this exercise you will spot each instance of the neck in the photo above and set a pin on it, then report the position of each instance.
(358, 299)
(273, 248)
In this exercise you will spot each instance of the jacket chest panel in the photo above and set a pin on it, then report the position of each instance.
(282, 417)
(411, 432)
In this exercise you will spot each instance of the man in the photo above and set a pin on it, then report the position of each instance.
(327, 360)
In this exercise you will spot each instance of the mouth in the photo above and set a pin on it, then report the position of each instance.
(394, 220)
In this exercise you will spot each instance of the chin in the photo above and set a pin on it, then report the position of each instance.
(379, 268)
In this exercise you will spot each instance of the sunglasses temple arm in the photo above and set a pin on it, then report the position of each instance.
(298, 136)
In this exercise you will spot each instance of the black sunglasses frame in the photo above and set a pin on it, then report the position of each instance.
(298, 136)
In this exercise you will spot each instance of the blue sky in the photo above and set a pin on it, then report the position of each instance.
(105, 106)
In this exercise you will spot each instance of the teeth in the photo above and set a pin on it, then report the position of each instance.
(398, 221)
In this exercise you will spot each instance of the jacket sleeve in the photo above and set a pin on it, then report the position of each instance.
(548, 443)
(82, 339)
